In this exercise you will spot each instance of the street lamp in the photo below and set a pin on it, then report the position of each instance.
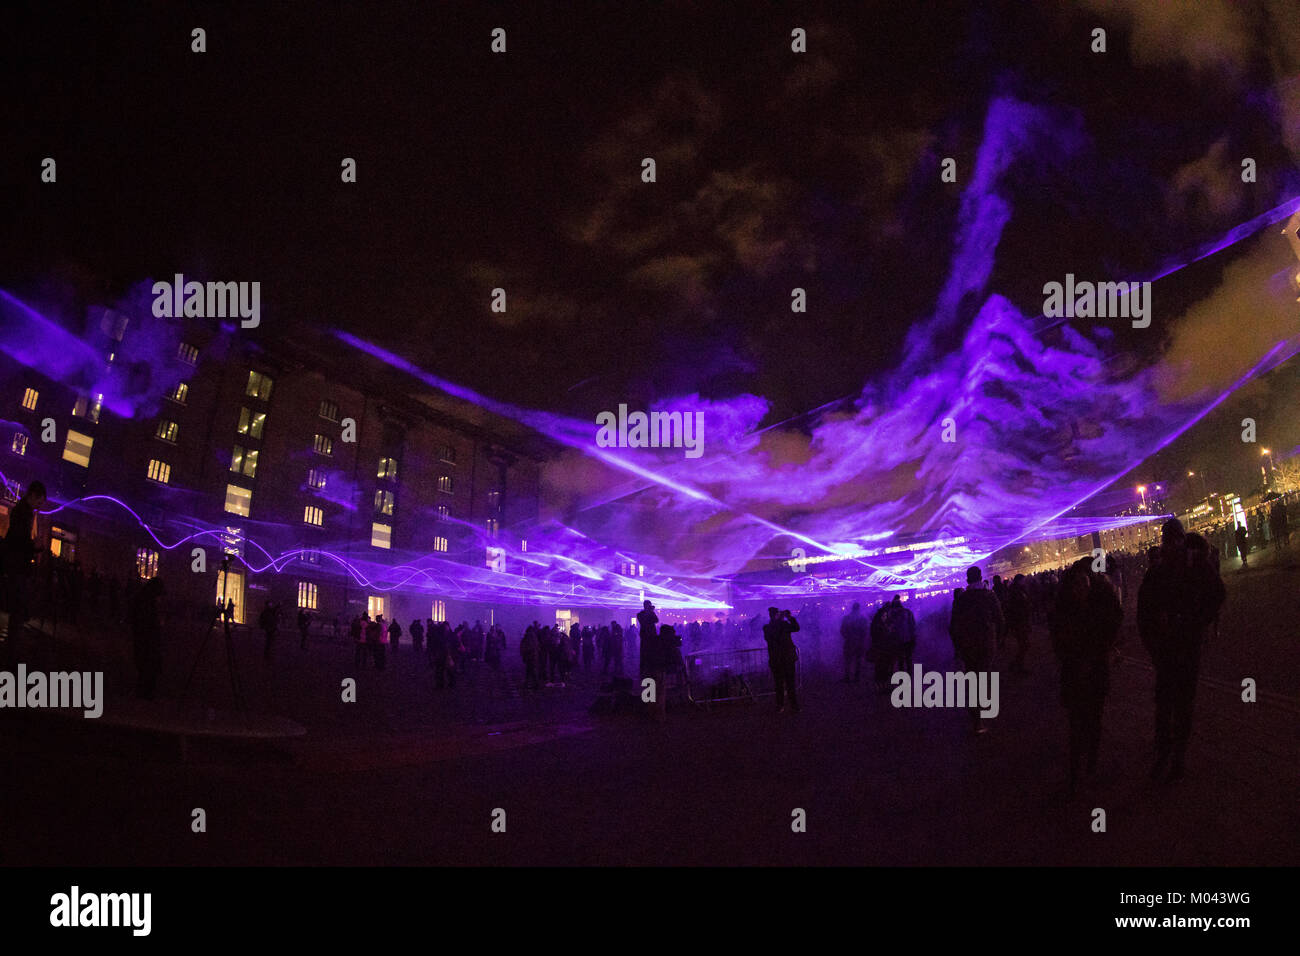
(1142, 490)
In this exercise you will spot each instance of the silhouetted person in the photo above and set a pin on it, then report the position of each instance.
(269, 622)
(357, 631)
(1019, 615)
(394, 637)
(19, 557)
(1180, 596)
(1243, 544)
(376, 638)
(782, 656)
(616, 647)
(304, 626)
(417, 635)
(901, 624)
(853, 634)
(146, 637)
(652, 660)
(976, 622)
(530, 652)
(1084, 626)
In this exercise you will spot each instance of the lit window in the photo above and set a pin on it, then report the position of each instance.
(77, 448)
(640, 570)
(29, 399)
(439, 611)
(232, 542)
(251, 423)
(447, 454)
(243, 461)
(159, 471)
(85, 408)
(492, 526)
(167, 431)
(329, 410)
(19, 444)
(443, 512)
(494, 500)
(259, 386)
(180, 393)
(388, 468)
(313, 515)
(307, 595)
(440, 544)
(238, 500)
(383, 502)
(444, 483)
(316, 478)
(146, 563)
(375, 605)
(323, 445)
(381, 535)
(187, 353)
(523, 544)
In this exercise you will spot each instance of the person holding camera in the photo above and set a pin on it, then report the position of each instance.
(782, 655)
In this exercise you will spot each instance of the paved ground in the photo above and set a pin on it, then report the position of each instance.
(410, 775)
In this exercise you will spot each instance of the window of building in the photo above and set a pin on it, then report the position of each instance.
(444, 483)
(19, 445)
(492, 526)
(383, 502)
(440, 543)
(439, 611)
(238, 500)
(180, 393)
(259, 386)
(63, 543)
(168, 431)
(329, 410)
(388, 468)
(243, 461)
(146, 563)
(323, 444)
(447, 454)
(313, 515)
(375, 605)
(87, 408)
(232, 542)
(159, 471)
(381, 535)
(251, 423)
(113, 324)
(523, 545)
(77, 448)
(443, 512)
(309, 556)
(316, 478)
(307, 595)
(29, 399)
(187, 353)
(494, 500)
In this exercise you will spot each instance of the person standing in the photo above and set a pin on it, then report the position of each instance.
(417, 636)
(146, 637)
(652, 658)
(269, 622)
(304, 625)
(976, 622)
(853, 633)
(782, 656)
(1084, 627)
(1019, 614)
(394, 637)
(357, 630)
(1179, 598)
(1243, 544)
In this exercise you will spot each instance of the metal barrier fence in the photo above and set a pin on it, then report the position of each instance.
(714, 677)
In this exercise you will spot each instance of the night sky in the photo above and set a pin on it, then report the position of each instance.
(522, 170)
